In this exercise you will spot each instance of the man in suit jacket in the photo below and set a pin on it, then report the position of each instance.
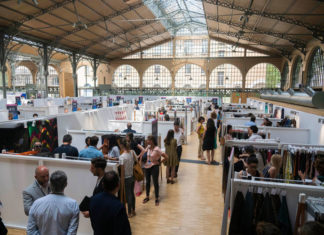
(38, 189)
(108, 215)
(97, 168)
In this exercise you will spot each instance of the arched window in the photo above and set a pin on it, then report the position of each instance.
(284, 76)
(297, 73)
(263, 75)
(126, 76)
(315, 73)
(23, 76)
(190, 76)
(157, 76)
(52, 79)
(225, 76)
(85, 80)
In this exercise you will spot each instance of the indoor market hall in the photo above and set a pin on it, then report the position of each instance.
(180, 117)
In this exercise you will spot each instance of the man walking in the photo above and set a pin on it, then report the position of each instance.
(107, 213)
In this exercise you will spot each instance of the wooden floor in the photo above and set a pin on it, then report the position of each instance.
(194, 205)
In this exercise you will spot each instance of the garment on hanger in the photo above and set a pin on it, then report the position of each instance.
(284, 221)
(256, 207)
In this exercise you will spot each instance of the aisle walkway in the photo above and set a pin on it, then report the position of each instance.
(194, 205)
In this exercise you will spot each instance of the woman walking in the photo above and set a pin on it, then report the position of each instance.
(209, 139)
(170, 144)
(152, 165)
(128, 161)
(214, 117)
(200, 131)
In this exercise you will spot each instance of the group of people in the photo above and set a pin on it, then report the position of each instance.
(50, 212)
(207, 135)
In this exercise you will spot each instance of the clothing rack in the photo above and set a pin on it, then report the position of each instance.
(227, 195)
(291, 191)
(267, 143)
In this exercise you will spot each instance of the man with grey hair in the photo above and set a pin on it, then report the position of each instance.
(54, 214)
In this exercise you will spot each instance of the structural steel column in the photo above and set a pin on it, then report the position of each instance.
(3, 64)
(74, 74)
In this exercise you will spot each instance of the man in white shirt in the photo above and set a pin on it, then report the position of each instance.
(54, 214)
(253, 133)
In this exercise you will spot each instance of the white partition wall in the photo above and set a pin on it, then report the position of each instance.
(241, 121)
(283, 134)
(17, 173)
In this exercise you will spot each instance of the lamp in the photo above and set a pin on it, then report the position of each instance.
(156, 78)
(125, 78)
(190, 79)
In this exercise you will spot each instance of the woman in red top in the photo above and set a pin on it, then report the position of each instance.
(152, 168)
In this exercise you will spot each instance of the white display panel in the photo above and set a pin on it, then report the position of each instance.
(17, 173)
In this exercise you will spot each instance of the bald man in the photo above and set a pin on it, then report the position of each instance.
(38, 189)
(129, 129)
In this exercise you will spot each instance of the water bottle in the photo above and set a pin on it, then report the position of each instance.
(63, 155)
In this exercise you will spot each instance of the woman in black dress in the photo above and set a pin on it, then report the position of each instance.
(209, 139)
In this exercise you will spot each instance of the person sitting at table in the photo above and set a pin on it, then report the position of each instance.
(91, 151)
(129, 129)
(251, 122)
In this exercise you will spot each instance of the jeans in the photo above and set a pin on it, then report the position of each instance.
(154, 172)
(129, 193)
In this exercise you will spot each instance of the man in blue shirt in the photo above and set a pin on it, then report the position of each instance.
(54, 214)
(251, 122)
(91, 151)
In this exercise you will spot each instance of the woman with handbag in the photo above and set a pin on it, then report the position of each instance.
(128, 161)
(152, 168)
(200, 131)
(170, 144)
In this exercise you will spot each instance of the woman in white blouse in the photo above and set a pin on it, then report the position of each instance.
(127, 158)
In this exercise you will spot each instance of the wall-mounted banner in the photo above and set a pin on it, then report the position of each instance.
(110, 102)
(12, 108)
(94, 104)
(18, 100)
(74, 106)
(140, 100)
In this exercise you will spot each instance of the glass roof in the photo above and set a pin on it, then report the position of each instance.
(185, 15)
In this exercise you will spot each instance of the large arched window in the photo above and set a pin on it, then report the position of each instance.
(52, 79)
(315, 73)
(85, 80)
(297, 73)
(23, 76)
(225, 76)
(157, 76)
(126, 76)
(263, 75)
(284, 76)
(190, 76)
